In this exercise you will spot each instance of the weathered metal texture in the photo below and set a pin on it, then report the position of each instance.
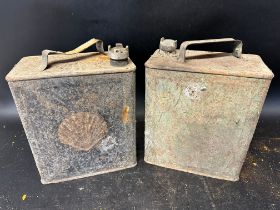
(46, 53)
(200, 115)
(168, 45)
(237, 47)
(61, 65)
(118, 55)
(77, 126)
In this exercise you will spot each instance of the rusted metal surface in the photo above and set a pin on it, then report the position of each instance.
(125, 114)
(82, 130)
(61, 65)
(46, 53)
(79, 116)
(237, 48)
(168, 45)
(201, 114)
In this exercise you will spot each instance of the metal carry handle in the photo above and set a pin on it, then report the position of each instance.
(97, 42)
(237, 49)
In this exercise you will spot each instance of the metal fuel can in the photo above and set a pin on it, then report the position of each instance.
(77, 110)
(202, 107)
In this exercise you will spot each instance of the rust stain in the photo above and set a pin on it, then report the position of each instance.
(125, 114)
(97, 58)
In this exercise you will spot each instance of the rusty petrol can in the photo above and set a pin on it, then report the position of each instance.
(77, 110)
(202, 107)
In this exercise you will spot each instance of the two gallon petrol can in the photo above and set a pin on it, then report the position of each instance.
(202, 107)
(77, 110)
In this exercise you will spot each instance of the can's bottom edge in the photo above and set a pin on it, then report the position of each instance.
(197, 172)
(88, 174)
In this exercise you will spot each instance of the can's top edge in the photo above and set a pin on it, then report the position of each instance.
(248, 65)
(29, 68)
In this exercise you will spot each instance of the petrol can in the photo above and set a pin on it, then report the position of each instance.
(77, 110)
(202, 107)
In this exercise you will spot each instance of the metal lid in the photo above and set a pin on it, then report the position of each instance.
(168, 45)
(61, 65)
(231, 64)
(118, 55)
(66, 64)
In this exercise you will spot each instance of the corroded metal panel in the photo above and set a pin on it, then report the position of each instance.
(201, 123)
(65, 65)
(78, 126)
(202, 107)
(248, 65)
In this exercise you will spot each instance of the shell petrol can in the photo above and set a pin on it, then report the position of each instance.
(77, 110)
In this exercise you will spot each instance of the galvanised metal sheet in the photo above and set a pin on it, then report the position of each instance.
(201, 121)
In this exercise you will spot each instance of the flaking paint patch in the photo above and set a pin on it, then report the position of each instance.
(194, 90)
(108, 144)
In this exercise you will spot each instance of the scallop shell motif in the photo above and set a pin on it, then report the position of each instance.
(82, 130)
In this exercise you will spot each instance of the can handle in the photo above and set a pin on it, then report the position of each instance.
(237, 49)
(46, 53)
